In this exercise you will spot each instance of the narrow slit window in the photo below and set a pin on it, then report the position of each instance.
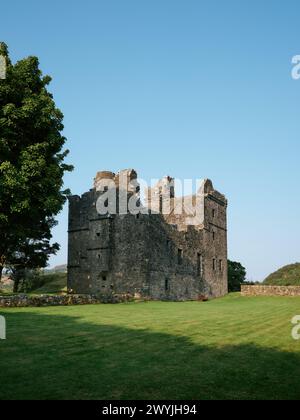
(160, 204)
(199, 264)
(180, 253)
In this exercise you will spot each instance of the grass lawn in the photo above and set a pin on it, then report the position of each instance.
(230, 348)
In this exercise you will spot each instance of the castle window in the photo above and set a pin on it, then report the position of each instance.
(104, 278)
(220, 265)
(214, 264)
(160, 204)
(106, 189)
(180, 253)
(98, 234)
(214, 213)
(137, 216)
(199, 265)
(214, 235)
(167, 285)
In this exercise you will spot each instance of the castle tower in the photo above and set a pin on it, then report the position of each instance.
(158, 254)
(160, 198)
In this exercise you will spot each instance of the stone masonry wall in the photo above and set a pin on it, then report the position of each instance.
(22, 301)
(270, 290)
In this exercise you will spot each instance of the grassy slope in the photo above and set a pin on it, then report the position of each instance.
(230, 348)
(55, 283)
(285, 276)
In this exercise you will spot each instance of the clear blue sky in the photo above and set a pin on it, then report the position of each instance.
(188, 88)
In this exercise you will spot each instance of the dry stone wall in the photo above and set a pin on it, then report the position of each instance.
(270, 290)
(22, 301)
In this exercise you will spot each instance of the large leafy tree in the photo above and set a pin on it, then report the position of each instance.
(236, 276)
(31, 165)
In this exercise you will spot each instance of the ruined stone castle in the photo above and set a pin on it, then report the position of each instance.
(161, 250)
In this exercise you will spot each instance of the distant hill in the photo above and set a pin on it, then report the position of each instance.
(285, 276)
(58, 269)
(61, 268)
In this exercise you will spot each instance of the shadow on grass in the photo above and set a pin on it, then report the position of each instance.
(63, 357)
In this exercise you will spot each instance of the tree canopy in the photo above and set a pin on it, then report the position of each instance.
(32, 164)
(236, 276)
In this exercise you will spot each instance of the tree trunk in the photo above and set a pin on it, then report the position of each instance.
(2, 263)
(16, 280)
(18, 276)
(16, 286)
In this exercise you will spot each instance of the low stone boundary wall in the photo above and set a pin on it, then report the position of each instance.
(270, 290)
(23, 301)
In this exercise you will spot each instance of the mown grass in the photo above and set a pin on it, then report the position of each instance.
(230, 348)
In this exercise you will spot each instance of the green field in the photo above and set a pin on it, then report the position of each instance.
(230, 348)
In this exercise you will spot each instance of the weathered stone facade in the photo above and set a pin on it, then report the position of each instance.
(153, 253)
(261, 290)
